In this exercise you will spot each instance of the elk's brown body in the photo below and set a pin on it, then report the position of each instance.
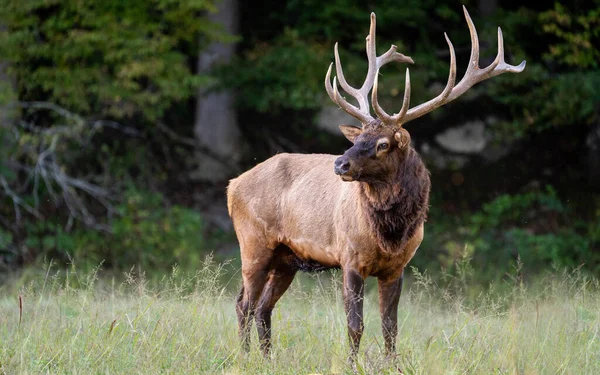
(363, 212)
(358, 226)
(366, 229)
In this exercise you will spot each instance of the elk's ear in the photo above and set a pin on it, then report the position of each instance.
(402, 137)
(350, 132)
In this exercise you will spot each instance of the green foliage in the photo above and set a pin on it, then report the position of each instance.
(109, 58)
(516, 209)
(569, 99)
(273, 77)
(533, 230)
(561, 84)
(79, 65)
(284, 65)
(134, 62)
(578, 35)
(343, 20)
(41, 171)
(147, 233)
(6, 253)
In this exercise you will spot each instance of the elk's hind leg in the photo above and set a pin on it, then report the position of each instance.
(256, 263)
(281, 276)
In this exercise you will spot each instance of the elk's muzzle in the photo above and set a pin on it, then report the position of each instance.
(341, 167)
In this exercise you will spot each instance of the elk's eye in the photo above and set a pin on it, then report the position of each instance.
(383, 146)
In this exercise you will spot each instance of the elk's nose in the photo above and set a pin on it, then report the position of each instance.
(341, 165)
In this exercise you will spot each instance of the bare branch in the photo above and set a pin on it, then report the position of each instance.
(115, 125)
(53, 107)
(18, 202)
(192, 143)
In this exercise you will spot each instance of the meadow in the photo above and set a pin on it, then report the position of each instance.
(71, 322)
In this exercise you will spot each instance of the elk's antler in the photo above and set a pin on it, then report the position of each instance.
(363, 114)
(473, 75)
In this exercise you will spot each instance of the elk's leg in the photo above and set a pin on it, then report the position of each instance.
(353, 304)
(255, 271)
(389, 295)
(279, 281)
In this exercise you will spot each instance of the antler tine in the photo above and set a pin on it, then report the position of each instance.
(392, 55)
(500, 63)
(333, 93)
(337, 99)
(405, 100)
(376, 107)
(371, 57)
(472, 76)
(362, 112)
(440, 99)
(452, 73)
(383, 116)
(474, 59)
(364, 105)
(328, 86)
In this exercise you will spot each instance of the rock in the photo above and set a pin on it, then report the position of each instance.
(456, 146)
(330, 117)
(439, 159)
(469, 138)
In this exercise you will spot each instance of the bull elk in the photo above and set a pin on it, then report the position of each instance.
(362, 212)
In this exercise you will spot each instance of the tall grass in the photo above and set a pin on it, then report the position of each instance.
(81, 324)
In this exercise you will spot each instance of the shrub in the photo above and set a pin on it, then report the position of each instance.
(147, 234)
(534, 231)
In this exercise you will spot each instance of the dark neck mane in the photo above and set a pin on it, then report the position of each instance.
(395, 209)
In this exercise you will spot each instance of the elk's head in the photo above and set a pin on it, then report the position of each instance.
(377, 152)
(381, 143)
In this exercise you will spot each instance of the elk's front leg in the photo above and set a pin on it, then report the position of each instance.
(353, 303)
(389, 295)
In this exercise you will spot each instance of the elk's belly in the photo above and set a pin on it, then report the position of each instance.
(310, 252)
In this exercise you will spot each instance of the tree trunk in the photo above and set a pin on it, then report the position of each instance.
(216, 127)
(592, 143)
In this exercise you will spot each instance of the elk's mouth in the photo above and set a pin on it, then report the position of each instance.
(351, 176)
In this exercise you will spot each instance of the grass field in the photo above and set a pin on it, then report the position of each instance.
(80, 324)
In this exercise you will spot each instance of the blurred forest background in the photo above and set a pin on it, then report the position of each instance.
(122, 121)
